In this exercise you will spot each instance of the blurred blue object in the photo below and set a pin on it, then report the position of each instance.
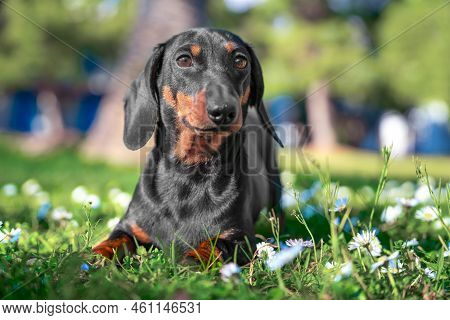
(284, 109)
(23, 110)
(433, 139)
(87, 110)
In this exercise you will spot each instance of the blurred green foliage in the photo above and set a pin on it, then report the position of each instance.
(300, 42)
(28, 53)
(416, 64)
(373, 58)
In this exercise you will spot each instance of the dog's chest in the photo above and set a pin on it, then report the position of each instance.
(190, 206)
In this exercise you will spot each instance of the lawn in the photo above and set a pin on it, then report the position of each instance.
(56, 207)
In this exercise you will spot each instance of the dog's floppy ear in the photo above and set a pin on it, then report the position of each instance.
(142, 103)
(256, 95)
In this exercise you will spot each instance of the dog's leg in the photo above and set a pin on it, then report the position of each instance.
(227, 246)
(118, 243)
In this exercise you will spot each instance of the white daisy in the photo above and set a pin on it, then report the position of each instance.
(122, 199)
(366, 240)
(113, 222)
(391, 214)
(284, 257)
(383, 260)
(438, 224)
(430, 273)
(408, 202)
(301, 242)
(287, 200)
(10, 236)
(422, 194)
(411, 243)
(113, 193)
(31, 187)
(79, 194)
(93, 200)
(428, 213)
(9, 190)
(344, 272)
(264, 250)
(339, 205)
(394, 266)
(60, 213)
(229, 271)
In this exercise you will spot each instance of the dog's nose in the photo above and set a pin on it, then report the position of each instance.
(222, 114)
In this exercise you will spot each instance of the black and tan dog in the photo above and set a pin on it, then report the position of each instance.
(213, 167)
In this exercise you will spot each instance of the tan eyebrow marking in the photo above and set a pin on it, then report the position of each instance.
(195, 50)
(229, 46)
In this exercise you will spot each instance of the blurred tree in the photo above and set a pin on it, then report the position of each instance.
(416, 64)
(39, 41)
(155, 21)
(305, 47)
(29, 56)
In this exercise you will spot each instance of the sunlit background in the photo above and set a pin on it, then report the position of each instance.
(343, 77)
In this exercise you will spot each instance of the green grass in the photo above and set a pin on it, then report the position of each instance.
(46, 261)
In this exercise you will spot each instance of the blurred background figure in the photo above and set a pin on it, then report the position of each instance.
(339, 74)
(394, 131)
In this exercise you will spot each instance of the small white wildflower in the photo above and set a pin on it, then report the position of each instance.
(60, 213)
(230, 271)
(301, 242)
(408, 202)
(394, 266)
(93, 200)
(284, 257)
(411, 243)
(366, 240)
(422, 194)
(287, 200)
(391, 213)
(330, 265)
(438, 223)
(74, 223)
(383, 260)
(344, 272)
(428, 213)
(112, 193)
(265, 250)
(113, 222)
(79, 194)
(430, 273)
(123, 199)
(31, 187)
(339, 205)
(9, 190)
(11, 236)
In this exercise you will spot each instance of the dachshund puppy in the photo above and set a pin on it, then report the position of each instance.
(213, 167)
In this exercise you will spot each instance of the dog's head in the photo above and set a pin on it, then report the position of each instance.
(200, 81)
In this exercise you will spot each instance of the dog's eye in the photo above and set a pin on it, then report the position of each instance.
(184, 61)
(240, 62)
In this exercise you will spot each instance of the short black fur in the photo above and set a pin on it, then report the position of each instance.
(219, 199)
